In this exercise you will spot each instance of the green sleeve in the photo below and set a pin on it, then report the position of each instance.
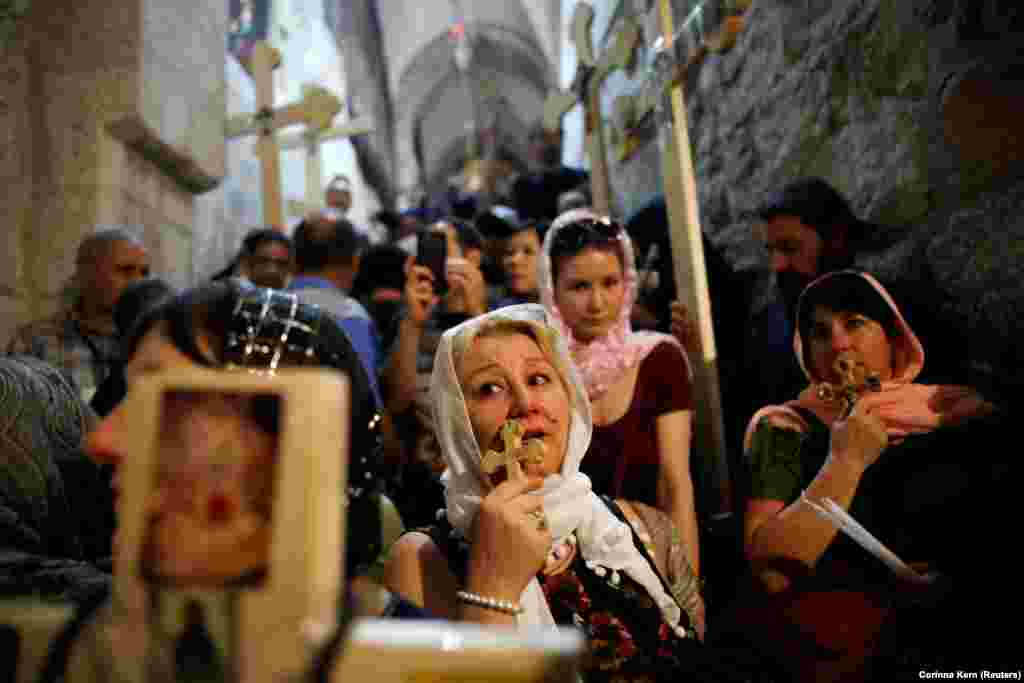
(773, 463)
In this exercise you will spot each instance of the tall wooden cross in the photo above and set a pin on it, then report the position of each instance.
(586, 88)
(690, 47)
(666, 86)
(311, 140)
(316, 110)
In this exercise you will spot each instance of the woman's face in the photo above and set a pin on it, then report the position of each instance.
(207, 517)
(505, 375)
(834, 332)
(519, 260)
(589, 291)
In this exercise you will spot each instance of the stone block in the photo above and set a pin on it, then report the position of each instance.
(183, 92)
(126, 65)
(175, 205)
(12, 217)
(141, 179)
(12, 314)
(171, 248)
(14, 115)
(66, 214)
(87, 36)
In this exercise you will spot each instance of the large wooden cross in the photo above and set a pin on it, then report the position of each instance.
(586, 88)
(316, 110)
(691, 45)
(311, 140)
(666, 86)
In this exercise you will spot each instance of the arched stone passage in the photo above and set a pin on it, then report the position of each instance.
(508, 56)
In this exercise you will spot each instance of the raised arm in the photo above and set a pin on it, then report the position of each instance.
(400, 373)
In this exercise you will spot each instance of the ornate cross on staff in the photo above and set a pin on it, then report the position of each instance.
(316, 110)
(311, 140)
(713, 26)
(586, 88)
(666, 87)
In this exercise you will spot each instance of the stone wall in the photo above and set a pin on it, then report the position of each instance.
(111, 114)
(15, 178)
(910, 107)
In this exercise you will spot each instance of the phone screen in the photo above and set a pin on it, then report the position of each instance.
(432, 252)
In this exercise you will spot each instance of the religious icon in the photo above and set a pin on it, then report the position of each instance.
(230, 560)
(209, 522)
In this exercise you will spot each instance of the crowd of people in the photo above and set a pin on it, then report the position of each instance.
(559, 322)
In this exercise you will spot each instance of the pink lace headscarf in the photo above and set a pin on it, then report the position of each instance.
(603, 361)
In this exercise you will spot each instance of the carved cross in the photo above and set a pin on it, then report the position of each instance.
(513, 452)
(586, 88)
(311, 139)
(711, 27)
(681, 201)
(316, 110)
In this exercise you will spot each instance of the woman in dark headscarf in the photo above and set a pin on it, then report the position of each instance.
(207, 327)
(913, 463)
(233, 327)
(49, 490)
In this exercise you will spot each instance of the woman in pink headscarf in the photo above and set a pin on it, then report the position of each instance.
(638, 382)
(875, 448)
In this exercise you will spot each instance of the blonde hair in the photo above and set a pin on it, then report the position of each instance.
(541, 334)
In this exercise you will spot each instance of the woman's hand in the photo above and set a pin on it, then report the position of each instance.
(420, 298)
(467, 283)
(860, 438)
(508, 548)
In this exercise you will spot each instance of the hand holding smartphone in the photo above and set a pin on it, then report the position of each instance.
(432, 253)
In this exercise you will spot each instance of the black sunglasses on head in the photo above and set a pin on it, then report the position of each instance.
(584, 232)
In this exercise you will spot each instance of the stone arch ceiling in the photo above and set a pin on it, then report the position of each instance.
(440, 107)
(443, 120)
(411, 25)
(405, 76)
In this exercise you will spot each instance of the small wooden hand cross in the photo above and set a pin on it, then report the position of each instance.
(513, 452)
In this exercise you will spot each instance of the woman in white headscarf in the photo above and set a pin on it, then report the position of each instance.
(535, 546)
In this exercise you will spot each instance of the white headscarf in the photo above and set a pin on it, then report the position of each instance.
(569, 503)
(602, 361)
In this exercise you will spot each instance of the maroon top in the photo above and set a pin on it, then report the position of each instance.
(623, 458)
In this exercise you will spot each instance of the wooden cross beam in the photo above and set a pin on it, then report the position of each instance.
(311, 139)
(690, 46)
(316, 110)
(586, 88)
(685, 234)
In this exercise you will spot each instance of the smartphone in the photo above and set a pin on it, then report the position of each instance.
(432, 252)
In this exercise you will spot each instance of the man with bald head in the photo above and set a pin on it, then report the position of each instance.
(81, 339)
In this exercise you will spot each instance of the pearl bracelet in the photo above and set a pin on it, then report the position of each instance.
(506, 606)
